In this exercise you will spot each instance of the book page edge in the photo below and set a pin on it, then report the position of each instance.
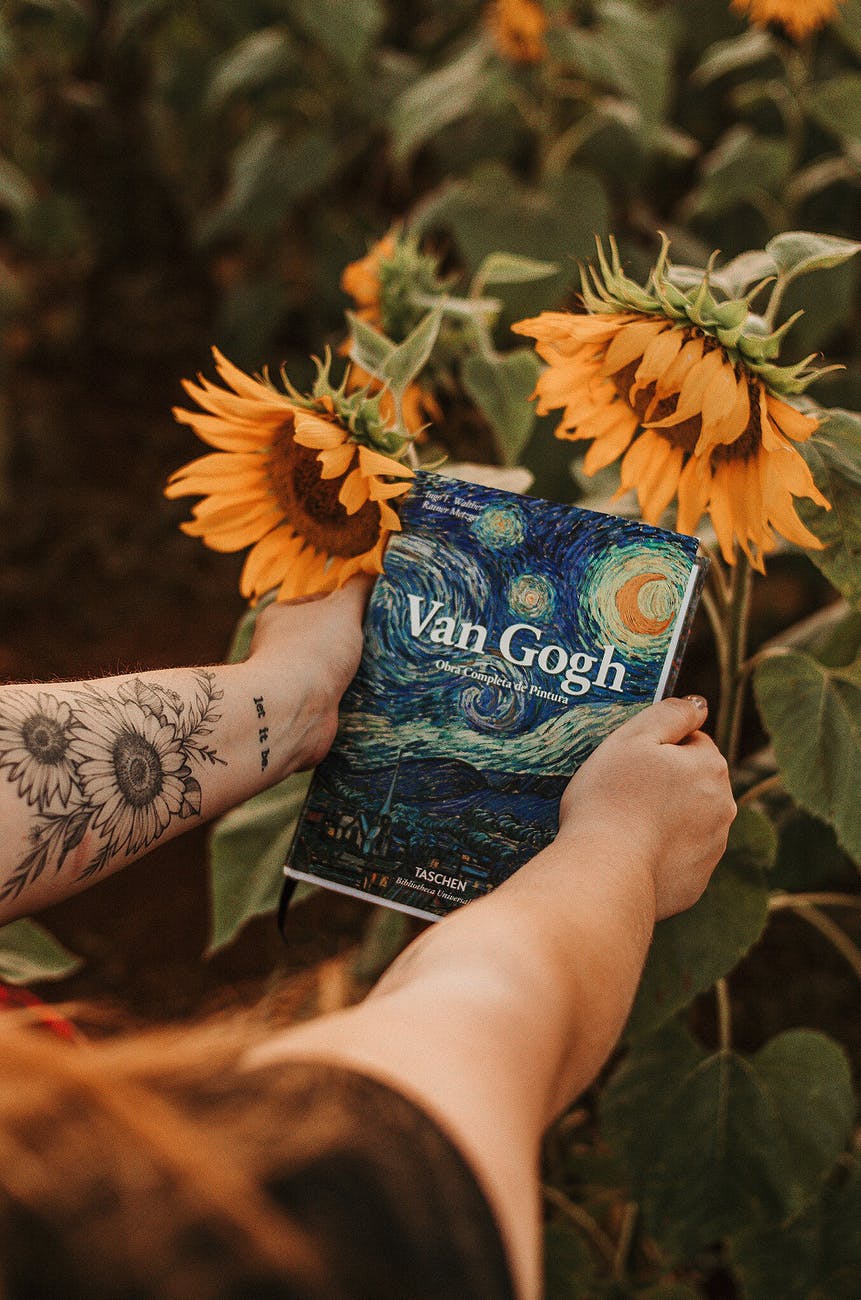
(364, 895)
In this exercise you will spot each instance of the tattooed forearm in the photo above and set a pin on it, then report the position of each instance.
(262, 733)
(113, 762)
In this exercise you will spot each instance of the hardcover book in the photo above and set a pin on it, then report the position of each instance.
(507, 638)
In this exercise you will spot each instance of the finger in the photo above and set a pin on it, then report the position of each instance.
(670, 720)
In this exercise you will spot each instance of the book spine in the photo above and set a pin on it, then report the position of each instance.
(675, 649)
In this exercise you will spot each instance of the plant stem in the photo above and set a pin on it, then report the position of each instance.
(626, 1236)
(765, 786)
(584, 1221)
(724, 1015)
(837, 937)
(780, 287)
(779, 901)
(732, 669)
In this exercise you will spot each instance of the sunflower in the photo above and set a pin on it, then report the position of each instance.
(798, 17)
(35, 741)
(690, 414)
(132, 769)
(517, 28)
(384, 285)
(293, 478)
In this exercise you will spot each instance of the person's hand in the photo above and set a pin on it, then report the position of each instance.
(313, 646)
(662, 787)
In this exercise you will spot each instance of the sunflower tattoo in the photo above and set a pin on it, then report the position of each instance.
(115, 763)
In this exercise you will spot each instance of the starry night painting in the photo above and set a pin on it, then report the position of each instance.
(507, 638)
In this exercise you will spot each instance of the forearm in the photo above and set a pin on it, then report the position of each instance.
(94, 774)
(497, 1017)
(554, 956)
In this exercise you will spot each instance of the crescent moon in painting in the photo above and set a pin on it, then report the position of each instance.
(631, 611)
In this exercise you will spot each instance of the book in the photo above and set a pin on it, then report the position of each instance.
(508, 636)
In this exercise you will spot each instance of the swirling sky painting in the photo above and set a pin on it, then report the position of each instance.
(506, 639)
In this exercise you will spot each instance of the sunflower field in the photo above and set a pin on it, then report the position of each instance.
(603, 251)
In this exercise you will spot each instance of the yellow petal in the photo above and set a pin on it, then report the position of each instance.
(354, 492)
(226, 538)
(295, 580)
(313, 431)
(380, 491)
(389, 518)
(228, 405)
(244, 385)
(229, 435)
(609, 447)
(630, 343)
(677, 371)
(695, 383)
(724, 394)
(721, 513)
(659, 354)
(335, 461)
(795, 424)
(693, 495)
(372, 462)
(267, 562)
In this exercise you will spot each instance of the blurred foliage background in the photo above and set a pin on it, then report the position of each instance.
(175, 175)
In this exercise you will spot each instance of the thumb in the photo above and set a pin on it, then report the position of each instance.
(671, 720)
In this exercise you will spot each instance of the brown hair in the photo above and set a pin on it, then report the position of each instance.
(131, 1167)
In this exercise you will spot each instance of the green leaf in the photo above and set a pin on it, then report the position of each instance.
(848, 24)
(386, 934)
(718, 1142)
(834, 457)
(592, 54)
(569, 1268)
(501, 386)
(741, 167)
(640, 41)
(17, 193)
(368, 347)
(797, 252)
(347, 32)
(493, 212)
(813, 715)
(669, 1291)
(836, 105)
(742, 272)
(29, 954)
(692, 950)
(438, 99)
(409, 358)
(243, 632)
(512, 268)
(816, 1256)
(264, 56)
(739, 52)
(809, 856)
(270, 173)
(248, 849)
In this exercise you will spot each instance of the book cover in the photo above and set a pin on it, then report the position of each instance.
(507, 638)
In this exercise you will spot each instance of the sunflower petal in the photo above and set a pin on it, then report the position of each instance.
(373, 462)
(313, 431)
(389, 518)
(380, 491)
(630, 343)
(791, 422)
(354, 491)
(335, 461)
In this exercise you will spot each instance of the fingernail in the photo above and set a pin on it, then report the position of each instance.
(698, 702)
